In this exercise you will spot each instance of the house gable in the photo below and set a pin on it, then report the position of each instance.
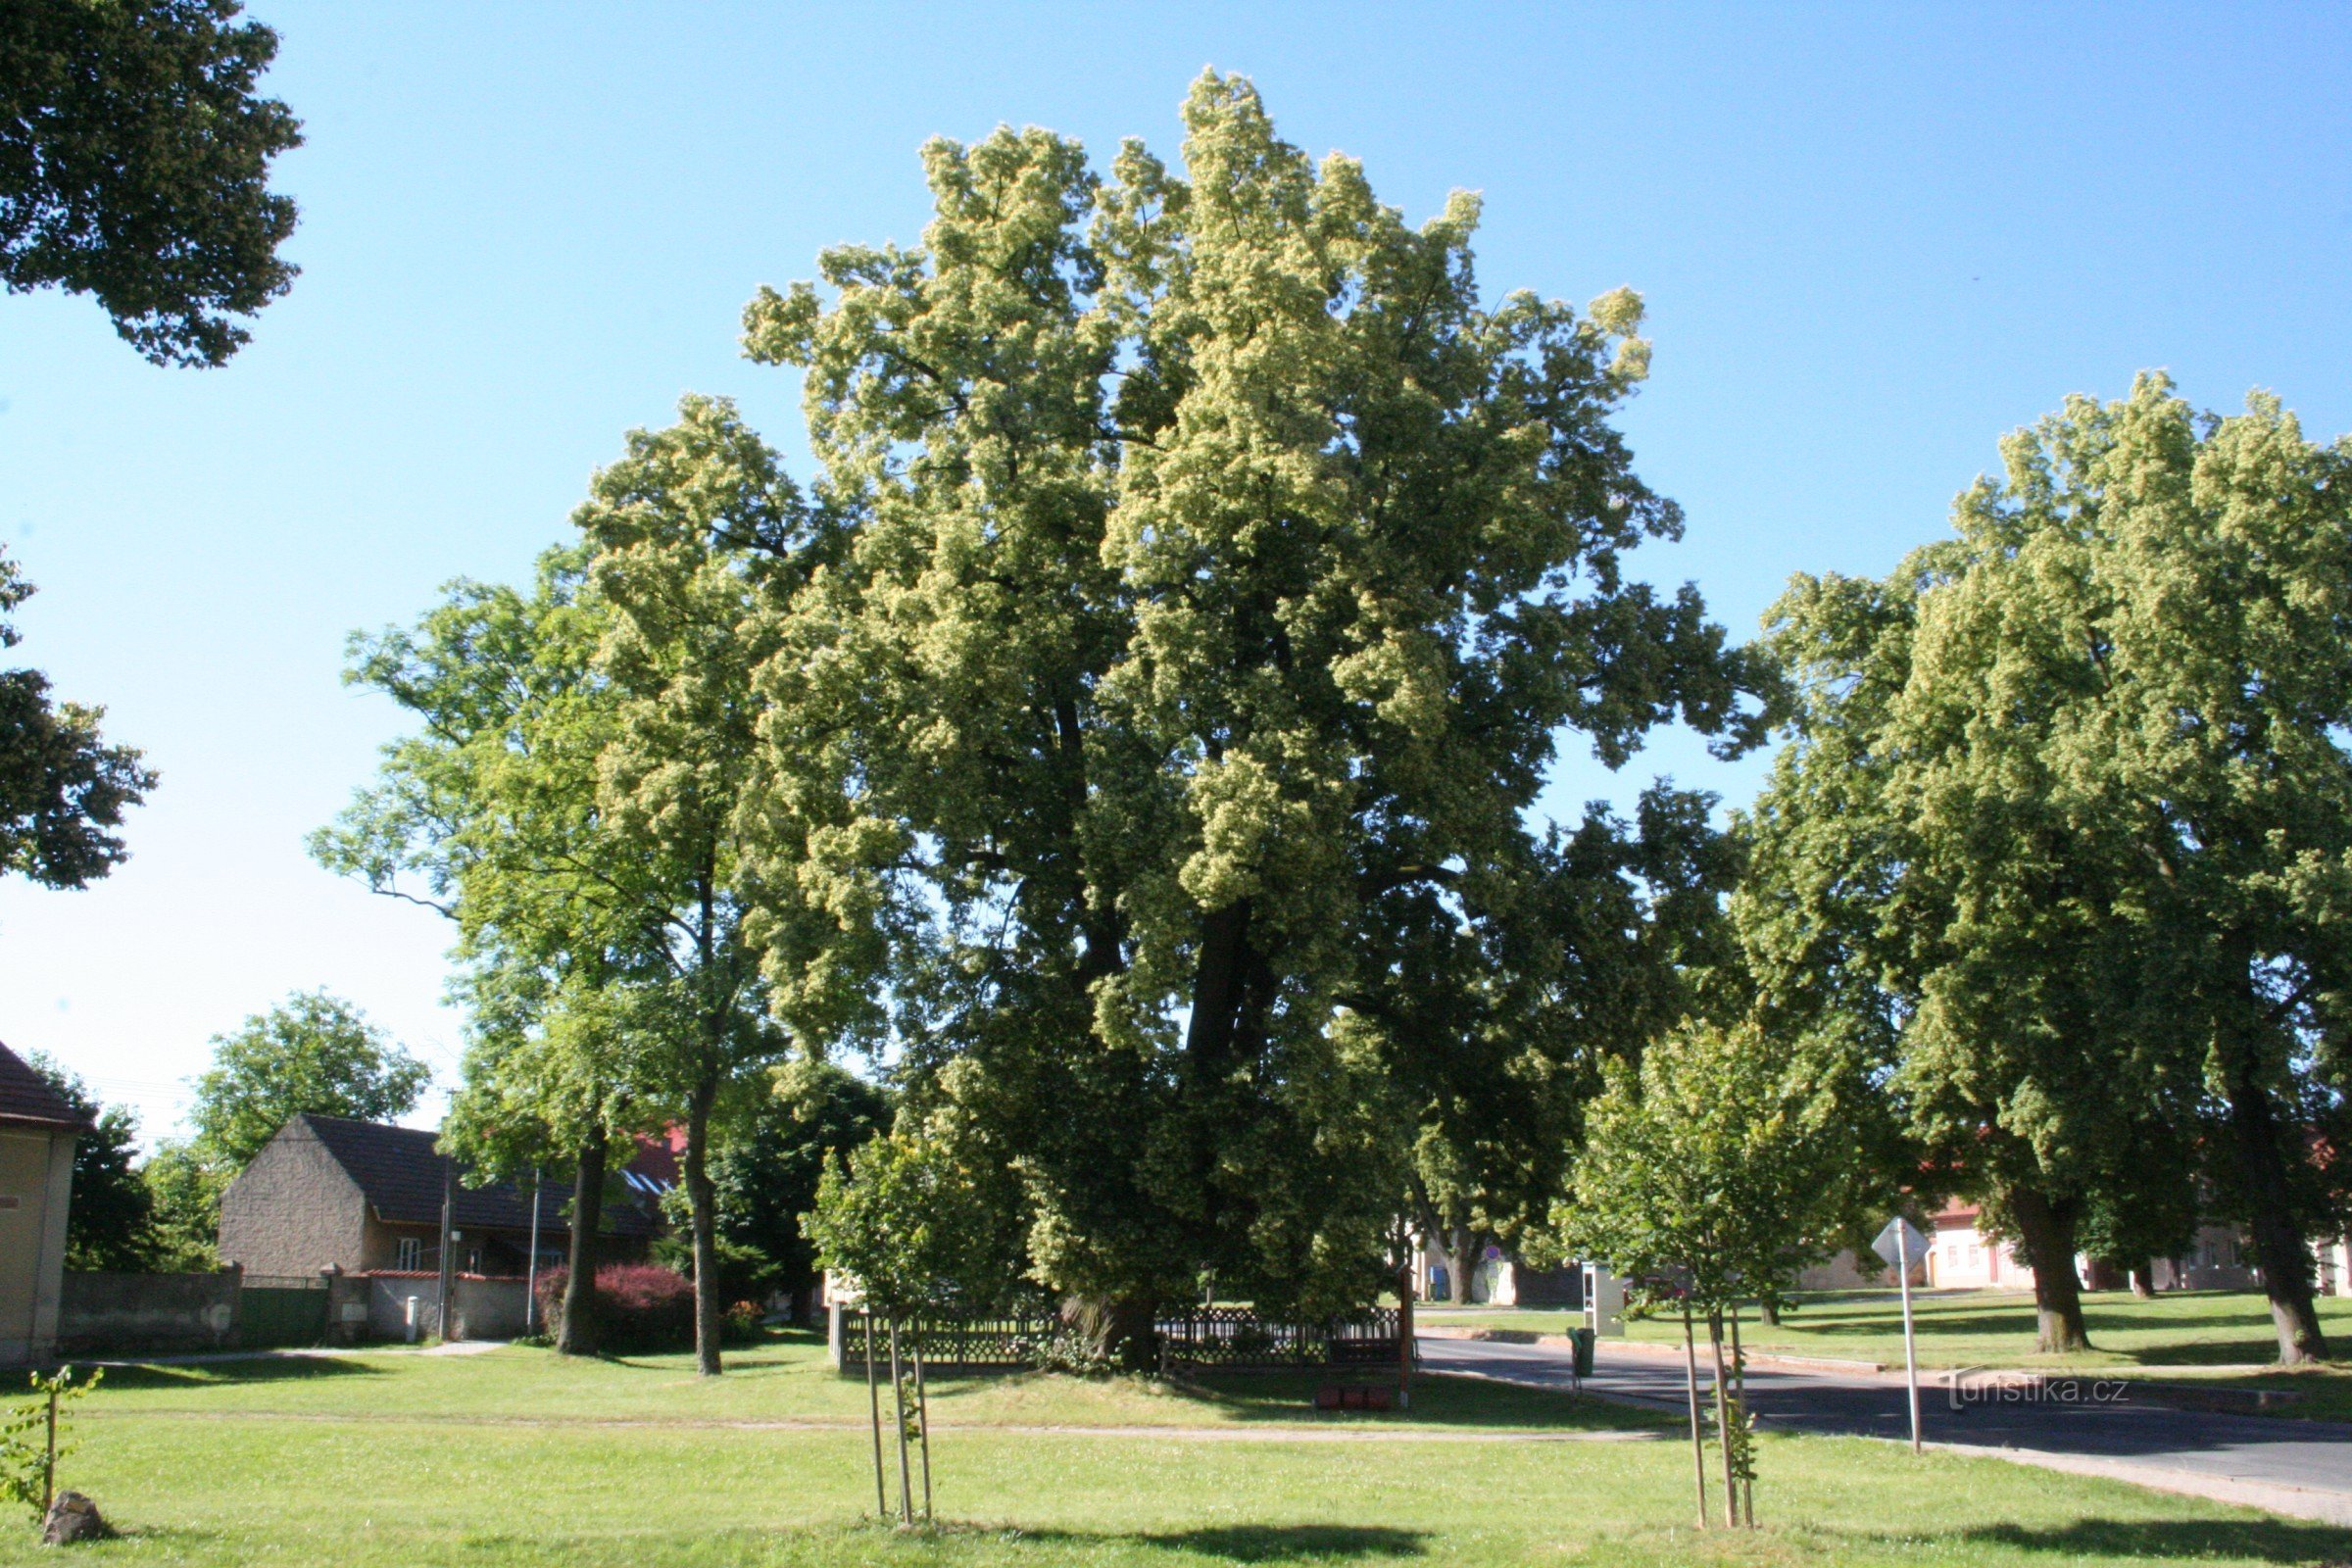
(295, 1209)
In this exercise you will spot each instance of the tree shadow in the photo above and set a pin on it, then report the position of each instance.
(1438, 1399)
(1991, 1320)
(2284, 1540)
(1259, 1543)
(149, 1375)
(2255, 1348)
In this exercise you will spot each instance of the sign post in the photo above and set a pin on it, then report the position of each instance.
(1902, 1245)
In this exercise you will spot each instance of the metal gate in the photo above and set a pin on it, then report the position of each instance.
(281, 1313)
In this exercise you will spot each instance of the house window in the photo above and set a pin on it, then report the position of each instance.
(411, 1257)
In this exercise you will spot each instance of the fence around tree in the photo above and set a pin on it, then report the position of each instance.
(1234, 1337)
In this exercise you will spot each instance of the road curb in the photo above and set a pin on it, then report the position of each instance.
(1763, 1358)
(2270, 1497)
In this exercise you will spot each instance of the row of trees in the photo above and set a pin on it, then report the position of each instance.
(2046, 891)
(1130, 732)
(2062, 835)
(1130, 736)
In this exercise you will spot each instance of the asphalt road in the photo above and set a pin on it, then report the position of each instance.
(2133, 1439)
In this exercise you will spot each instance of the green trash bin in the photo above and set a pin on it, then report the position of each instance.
(1583, 1341)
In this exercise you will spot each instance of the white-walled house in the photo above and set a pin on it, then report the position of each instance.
(38, 1132)
(1965, 1258)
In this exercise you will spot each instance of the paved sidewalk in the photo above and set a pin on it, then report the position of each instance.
(2301, 1468)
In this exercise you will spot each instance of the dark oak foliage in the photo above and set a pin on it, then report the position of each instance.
(133, 167)
(63, 790)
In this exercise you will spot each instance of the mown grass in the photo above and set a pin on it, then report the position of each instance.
(515, 1459)
(785, 1378)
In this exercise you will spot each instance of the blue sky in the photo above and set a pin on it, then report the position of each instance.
(1872, 239)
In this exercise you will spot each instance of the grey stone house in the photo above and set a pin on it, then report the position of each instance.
(38, 1132)
(365, 1198)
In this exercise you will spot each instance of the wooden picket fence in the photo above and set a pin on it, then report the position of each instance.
(1235, 1338)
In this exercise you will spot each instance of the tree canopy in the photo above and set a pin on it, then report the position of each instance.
(109, 1224)
(62, 789)
(134, 159)
(312, 1052)
(575, 800)
(1216, 573)
(2069, 819)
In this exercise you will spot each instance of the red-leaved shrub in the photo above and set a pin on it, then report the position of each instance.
(641, 1307)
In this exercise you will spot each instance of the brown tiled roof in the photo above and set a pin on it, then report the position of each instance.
(25, 1096)
(399, 1173)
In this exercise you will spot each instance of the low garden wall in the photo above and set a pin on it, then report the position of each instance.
(116, 1314)
(481, 1306)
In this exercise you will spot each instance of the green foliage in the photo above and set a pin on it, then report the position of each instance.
(26, 1463)
(110, 1226)
(1724, 1161)
(63, 790)
(133, 166)
(491, 815)
(916, 1227)
(2067, 823)
(312, 1052)
(1495, 1038)
(185, 1198)
(767, 1161)
(1205, 572)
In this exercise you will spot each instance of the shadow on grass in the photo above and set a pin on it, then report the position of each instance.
(1258, 1543)
(2232, 1540)
(1438, 1401)
(1929, 1326)
(258, 1368)
(772, 1349)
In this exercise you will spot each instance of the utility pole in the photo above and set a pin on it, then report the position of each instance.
(1405, 1329)
(449, 1198)
(530, 1269)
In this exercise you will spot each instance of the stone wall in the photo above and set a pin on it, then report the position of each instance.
(479, 1308)
(113, 1314)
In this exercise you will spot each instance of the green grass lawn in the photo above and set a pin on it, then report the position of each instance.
(516, 1457)
(2177, 1331)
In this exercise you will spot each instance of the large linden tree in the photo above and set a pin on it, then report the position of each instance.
(1219, 572)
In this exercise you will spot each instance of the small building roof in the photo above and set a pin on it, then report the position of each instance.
(25, 1097)
(401, 1173)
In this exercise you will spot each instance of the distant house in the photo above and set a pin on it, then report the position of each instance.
(1965, 1257)
(1498, 1277)
(366, 1198)
(37, 1132)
